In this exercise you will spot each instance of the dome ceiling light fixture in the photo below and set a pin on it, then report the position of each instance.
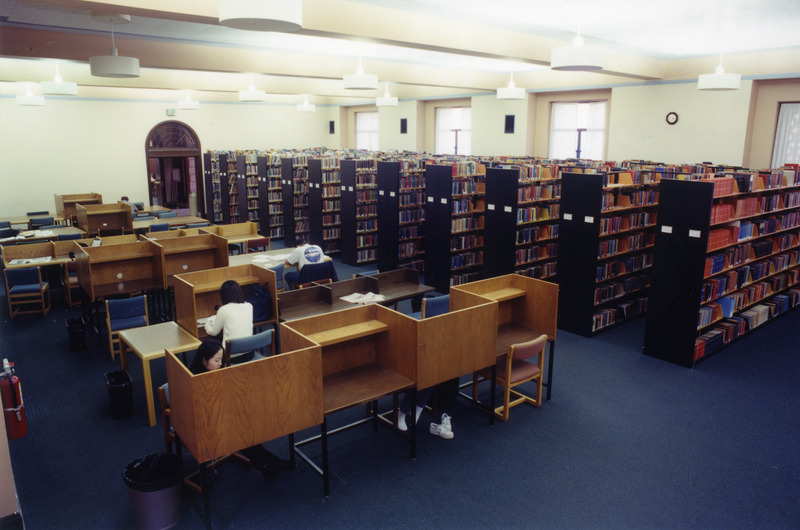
(262, 15)
(511, 91)
(577, 58)
(719, 80)
(360, 80)
(113, 65)
(59, 87)
(251, 94)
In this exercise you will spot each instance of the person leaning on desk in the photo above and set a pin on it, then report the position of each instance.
(134, 207)
(302, 255)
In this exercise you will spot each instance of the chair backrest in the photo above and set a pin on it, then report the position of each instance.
(159, 227)
(198, 225)
(24, 276)
(5, 224)
(436, 305)
(366, 273)
(244, 345)
(139, 205)
(318, 271)
(67, 237)
(41, 221)
(258, 244)
(164, 215)
(127, 307)
(278, 276)
(43, 212)
(526, 350)
(49, 227)
(142, 214)
(144, 218)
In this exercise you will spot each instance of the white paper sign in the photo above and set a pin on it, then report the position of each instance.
(666, 229)
(588, 219)
(391, 194)
(444, 201)
(694, 233)
(507, 209)
(490, 207)
(568, 217)
(430, 199)
(380, 192)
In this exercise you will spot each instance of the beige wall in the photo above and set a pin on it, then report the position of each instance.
(768, 96)
(488, 126)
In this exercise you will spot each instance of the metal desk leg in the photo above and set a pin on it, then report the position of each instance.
(326, 484)
(292, 458)
(413, 419)
(492, 400)
(550, 370)
(206, 495)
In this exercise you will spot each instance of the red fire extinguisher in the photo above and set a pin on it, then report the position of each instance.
(14, 410)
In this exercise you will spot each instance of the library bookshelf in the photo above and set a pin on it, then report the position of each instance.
(359, 202)
(401, 214)
(736, 236)
(294, 179)
(325, 203)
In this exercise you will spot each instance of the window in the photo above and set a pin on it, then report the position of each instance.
(577, 130)
(367, 130)
(453, 131)
(787, 136)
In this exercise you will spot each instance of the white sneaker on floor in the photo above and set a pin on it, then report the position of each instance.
(440, 431)
(446, 423)
(401, 421)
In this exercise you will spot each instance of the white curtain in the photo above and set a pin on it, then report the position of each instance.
(448, 120)
(367, 130)
(567, 118)
(787, 136)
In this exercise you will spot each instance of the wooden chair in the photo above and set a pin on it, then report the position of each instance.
(123, 314)
(513, 370)
(25, 288)
(257, 245)
(239, 350)
(70, 280)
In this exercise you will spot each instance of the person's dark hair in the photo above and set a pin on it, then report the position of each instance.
(208, 348)
(231, 293)
(124, 198)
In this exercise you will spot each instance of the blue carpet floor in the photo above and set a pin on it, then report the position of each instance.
(626, 442)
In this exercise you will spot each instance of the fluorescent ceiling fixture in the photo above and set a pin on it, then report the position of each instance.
(576, 58)
(188, 103)
(386, 100)
(261, 15)
(360, 80)
(719, 80)
(113, 65)
(305, 106)
(59, 87)
(251, 94)
(511, 91)
(30, 99)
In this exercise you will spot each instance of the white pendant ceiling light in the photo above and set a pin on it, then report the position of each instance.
(113, 65)
(59, 87)
(262, 15)
(251, 94)
(386, 100)
(577, 58)
(305, 106)
(360, 80)
(511, 91)
(188, 103)
(719, 80)
(29, 98)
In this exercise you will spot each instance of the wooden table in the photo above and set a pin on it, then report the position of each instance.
(150, 342)
(43, 235)
(25, 219)
(172, 221)
(266, 258)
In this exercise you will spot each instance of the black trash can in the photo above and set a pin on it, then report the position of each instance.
(120, 393)
(77, 334)
(155, 485)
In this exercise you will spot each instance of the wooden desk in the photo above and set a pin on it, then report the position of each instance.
(527, 308)
(24, 220)
(51, 234)
(153, 209)
(236, 233)
(150, 342)
(93, 218)
(139, 225)
(197, 293)
(33, 255)
(120, 269)
(66, 204)
(266, 258)
(169, 234)
(192, 253)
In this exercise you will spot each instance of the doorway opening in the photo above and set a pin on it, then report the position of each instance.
(174, 168)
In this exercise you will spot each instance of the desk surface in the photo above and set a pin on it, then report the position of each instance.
(131, 286)
(150, 342)
(25, 219)
(43, 235)
(360, 385)
(509, 334)
(267, 258)
(172, 221)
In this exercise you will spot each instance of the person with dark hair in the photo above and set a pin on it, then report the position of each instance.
(235, 318)
(209, 358)
(133, 206)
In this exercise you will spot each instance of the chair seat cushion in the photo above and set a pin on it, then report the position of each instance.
(126, 323)
(26, 288)
(520, 370)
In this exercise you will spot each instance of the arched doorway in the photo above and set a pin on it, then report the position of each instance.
(174, 167)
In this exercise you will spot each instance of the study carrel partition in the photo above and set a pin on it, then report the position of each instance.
(235, 233)
(197, 293)
(66, 204)
(527, 307)
(192, 253)
(230, 409)
(119, 269)
(95, 217)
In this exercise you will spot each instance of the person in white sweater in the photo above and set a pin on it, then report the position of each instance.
(235, 318)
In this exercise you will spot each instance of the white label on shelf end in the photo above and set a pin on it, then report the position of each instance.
(568, 217)
(443, 200)
(490, 207)
(666, 229)
(694, 233)
(391, 194)
(430, 199)
(507, 209)
(380, 192)
(588, 219)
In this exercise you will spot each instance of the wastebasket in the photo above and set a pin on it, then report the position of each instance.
(120, 393)
(77, 334)
(154, 483)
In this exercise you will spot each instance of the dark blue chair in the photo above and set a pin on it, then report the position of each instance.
(165, 215)
(67, 237)
(314, 272)
(5, 224)
(24, 289)
(433, 306)
(198, 225)
(37, 222)
(159, 227)
(279, 286)
(251, 348)
(123, 314)
(38, 214)
(144, 218)
(49, 227)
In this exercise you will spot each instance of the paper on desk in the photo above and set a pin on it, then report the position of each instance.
(273, 257)
(25, 261)
(202, 321)
(363, 298)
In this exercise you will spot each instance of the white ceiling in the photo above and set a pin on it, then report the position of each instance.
(424, 48)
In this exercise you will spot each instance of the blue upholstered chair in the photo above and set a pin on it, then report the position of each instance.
(316, 272)
(36, 223)
(144, 218)
(166, 214)
(257, 245)
(433, 306)
(159, 227)
(198, 225)
(251, 348)
(279, 285)
(124, 314)
(67, 237)
(26, 292)
(49, 227)
(38, 214)
(5, 224)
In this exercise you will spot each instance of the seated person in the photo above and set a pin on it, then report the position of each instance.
(301, 256)
(447, 393)
(235, 318)
(127, 201)
(209, 358)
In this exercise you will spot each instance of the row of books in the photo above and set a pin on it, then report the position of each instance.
(466, 277)
(331, 219)
(467, 259)
(631, 221)
(465, 224)
(365, 196)
(369, 225)
(411, 182)
(541, 271)
(465, 242)
(368, 210)
(331, 192)
(275, 209)
(411, 216)
(536, 193)
(416, 199)
(528, 255)
(301, 227)
(409, 232)
(612, 246)
(612, 269)
(367, 255)
(409, 249)
(542, 213)
(623, 311)
(329, 206)
(536, 233)
(607, 292)
(331, 233)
